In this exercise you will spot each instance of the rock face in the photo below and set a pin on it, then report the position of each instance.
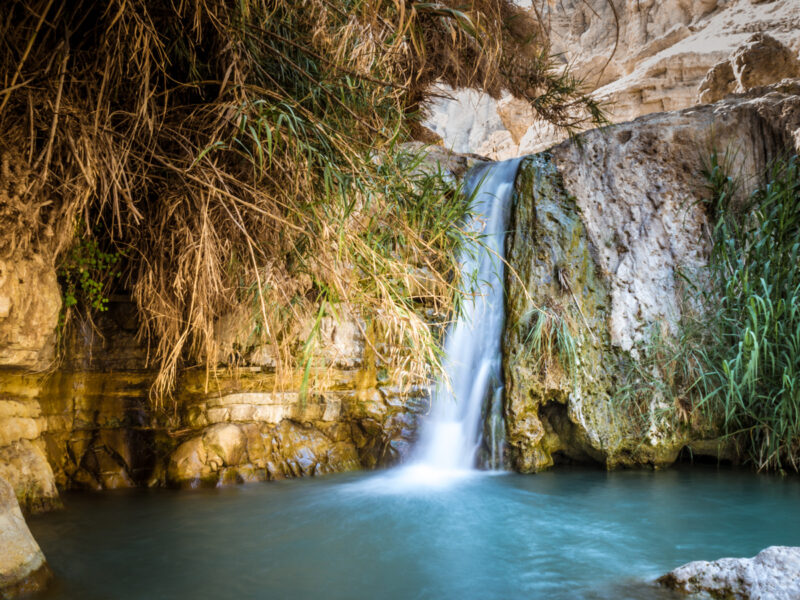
(600, 231)
(639, 57)
(254, 435)
(664, 49)
(89, 425)
(23, 569)
(760, 61)
(28, 320)
(773, 574)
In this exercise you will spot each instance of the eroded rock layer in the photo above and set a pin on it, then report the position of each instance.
(637, 57)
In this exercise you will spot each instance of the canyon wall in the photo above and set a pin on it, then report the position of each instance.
(638, 57)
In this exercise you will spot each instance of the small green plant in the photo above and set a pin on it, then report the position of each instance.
(85, 273)
(660, 381)
(550, 337)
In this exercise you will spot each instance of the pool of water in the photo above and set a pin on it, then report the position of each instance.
(564, 534)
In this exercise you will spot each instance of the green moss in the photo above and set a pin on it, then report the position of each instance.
(560, 392)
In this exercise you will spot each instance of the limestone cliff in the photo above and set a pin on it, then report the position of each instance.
(638, 57)
(602, 230)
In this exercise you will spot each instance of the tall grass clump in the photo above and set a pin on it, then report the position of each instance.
(751, 360)
(248, 154)
(549, 336)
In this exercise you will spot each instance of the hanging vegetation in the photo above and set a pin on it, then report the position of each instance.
(222, 155)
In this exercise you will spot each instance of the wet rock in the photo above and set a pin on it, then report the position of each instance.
(23, 569)
(25, 468)
(773, 574)
(209, 458)
(233, 453)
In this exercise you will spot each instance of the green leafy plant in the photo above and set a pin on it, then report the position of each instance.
(751, 375)
(85, 274)
(551, 338)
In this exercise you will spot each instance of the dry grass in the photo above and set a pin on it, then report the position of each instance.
(227, 152)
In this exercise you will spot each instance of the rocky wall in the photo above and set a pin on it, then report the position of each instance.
(603, 230)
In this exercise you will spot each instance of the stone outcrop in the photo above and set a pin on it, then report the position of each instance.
(773, 574)
(23, 569)
(255, 435)
(761, 60)
(601, 229)
(89, 424)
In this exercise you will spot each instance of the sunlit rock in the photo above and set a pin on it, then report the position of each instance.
(773, 574)
(30, 301)
(761, 60)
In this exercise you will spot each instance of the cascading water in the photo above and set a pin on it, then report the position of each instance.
(453, 434)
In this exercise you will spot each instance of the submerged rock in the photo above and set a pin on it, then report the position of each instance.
(773, 574)
(23, 569)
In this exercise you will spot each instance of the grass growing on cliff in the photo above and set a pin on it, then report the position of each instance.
(751, 375)
(551, 338)
(249, 153)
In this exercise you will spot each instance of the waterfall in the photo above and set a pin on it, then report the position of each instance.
(471, 396)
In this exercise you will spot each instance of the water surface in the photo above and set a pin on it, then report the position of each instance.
(564, 534)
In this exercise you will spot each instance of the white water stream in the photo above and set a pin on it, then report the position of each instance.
(454, 431)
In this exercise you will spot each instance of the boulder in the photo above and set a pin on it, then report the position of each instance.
(718, 83)
(25, 468)
(761, 60)
(23, 569)
(228, 453)
(773, 574)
